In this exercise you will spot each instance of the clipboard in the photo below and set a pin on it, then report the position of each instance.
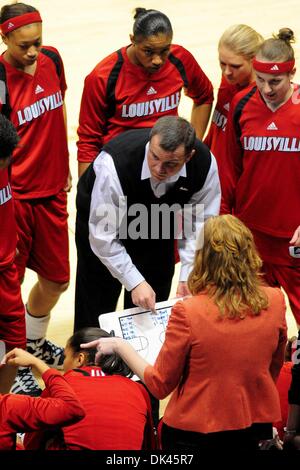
(143, 329)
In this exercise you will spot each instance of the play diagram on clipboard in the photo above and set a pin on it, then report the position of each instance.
(143, 329)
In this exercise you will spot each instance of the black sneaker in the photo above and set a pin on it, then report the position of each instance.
(50, 353)
(25, 383)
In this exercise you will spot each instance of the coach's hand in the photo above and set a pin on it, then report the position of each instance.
(144, 296)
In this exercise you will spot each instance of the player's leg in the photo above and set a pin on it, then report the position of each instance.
(42, 298)
(49, 258)
(43, 247)
(289, 279)
(269, 275)
(12, 328)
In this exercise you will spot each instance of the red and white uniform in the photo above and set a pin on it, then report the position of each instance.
(21, 413)
(40, 167)
(115, 414)
(265, 165)
(262, 184)
(216, 137)
(141, 97)
(12, 320)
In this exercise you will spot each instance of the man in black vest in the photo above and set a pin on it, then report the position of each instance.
(140, 179)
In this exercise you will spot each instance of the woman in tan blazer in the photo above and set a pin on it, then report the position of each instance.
(223, 350)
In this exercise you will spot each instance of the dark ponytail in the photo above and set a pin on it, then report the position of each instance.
(150, 23)
(16, 9)
(111, 364)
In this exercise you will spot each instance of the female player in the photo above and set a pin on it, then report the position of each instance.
(226, 341)
(237, 47)
(34, 100)
(24, 413)
(12, 314)
(138, 84)
(263, 163)
(117, 409)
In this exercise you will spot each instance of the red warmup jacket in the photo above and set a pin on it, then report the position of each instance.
(119, 96)
(41, 160)
(118, 415)
(263, 164)
(20, 413)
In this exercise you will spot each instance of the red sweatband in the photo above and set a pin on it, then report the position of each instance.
(17, 21)
(273, 67)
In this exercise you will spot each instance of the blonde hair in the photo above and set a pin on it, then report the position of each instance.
(242, 40)
(278, 48)
(227, 268)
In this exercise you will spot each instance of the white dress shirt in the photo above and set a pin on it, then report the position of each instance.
(107, 193)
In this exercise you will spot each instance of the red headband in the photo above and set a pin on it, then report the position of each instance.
(273, 67)
(18, 21)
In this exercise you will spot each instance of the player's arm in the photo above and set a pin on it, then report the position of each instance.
(24, 413)
(200, 117)
(205, 204)
(68, 185)
(231, 166)
(199, 89)
(92, 121)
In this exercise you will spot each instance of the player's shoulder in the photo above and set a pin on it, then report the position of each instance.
(246, 94)
(50, 49)
(107, 63)
(181, 52)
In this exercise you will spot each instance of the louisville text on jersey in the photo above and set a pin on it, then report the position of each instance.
(5, 194)
(219, 119)
(35, 110)
(264, 144)
(146, 108)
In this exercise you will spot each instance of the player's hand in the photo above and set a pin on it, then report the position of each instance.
(18, 357)
(68, 185)
(295, 240)
(144, 296)
(182, 289)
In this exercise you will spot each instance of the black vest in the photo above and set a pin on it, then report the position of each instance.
(128, 151)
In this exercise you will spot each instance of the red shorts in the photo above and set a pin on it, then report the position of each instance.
(43, 242)
(12, 312)
(280, 269)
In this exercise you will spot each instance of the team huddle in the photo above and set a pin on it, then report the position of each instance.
(236, 174)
